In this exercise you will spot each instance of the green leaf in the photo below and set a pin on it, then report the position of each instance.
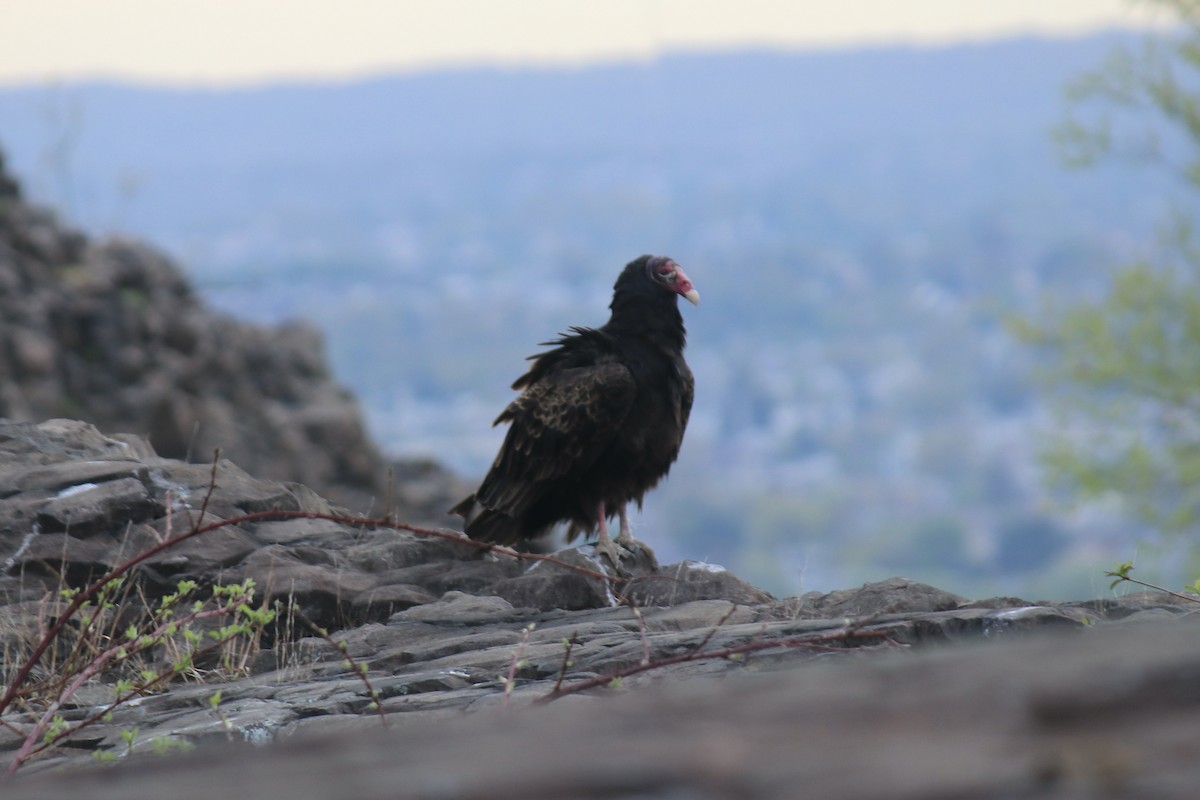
(58, 724)
(1120, 573)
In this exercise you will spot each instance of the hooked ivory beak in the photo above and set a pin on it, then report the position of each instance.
(683, 285)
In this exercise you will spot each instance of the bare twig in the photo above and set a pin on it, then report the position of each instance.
(641, 623)
(359, 670)
(711, 631)
(811, 640)
(212, 485)
(387, 501)
(568, 645)
(516, 663)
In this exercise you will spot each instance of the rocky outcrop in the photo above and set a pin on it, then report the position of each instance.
(111, 332)
(1110, 713)
(439, 628)
(75, 503)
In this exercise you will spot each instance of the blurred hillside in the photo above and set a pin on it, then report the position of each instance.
(859, 224)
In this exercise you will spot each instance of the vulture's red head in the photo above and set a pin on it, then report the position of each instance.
(670, 276)
(646, 291)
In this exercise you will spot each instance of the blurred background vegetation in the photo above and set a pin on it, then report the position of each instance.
(1122, 369)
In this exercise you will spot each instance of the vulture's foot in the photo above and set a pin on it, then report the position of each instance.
(605, 546)
(640, 553)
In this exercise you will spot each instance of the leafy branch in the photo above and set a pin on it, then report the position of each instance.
(1121, 575)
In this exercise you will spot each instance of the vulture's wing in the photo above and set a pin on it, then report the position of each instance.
(687, 392)
(558, 428)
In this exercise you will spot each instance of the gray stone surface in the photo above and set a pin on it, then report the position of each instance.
(1107, 714)
(78, 503)
(439, 627)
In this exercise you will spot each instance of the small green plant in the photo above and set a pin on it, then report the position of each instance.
(1120, 573)
(129, 737)
(214, 703)
(139, 658)
(162, 745)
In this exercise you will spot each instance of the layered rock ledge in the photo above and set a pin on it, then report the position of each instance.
(459, 645)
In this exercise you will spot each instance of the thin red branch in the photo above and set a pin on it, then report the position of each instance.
(566, 662)
(711, 631)
(511, 680)
(812, 640)
(359, 671)
(641, 623)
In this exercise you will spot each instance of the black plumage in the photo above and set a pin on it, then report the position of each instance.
(599, 420)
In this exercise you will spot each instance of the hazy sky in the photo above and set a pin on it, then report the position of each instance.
(240, 41)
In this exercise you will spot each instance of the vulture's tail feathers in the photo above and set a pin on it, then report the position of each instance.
(487, 525)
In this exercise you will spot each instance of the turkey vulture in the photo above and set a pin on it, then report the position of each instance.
(599, 420)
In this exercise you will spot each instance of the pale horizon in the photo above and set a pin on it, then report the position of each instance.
(246, 42)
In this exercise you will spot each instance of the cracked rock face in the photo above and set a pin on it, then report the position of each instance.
(111, 332)
(440, 628)
(78, 502)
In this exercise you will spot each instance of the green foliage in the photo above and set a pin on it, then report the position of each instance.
(1127, 374)
(58, 725)
(139, 657)
(1120, 573)
(162, 745)
(1141, 103)
(1125, 368)
(129, 737)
